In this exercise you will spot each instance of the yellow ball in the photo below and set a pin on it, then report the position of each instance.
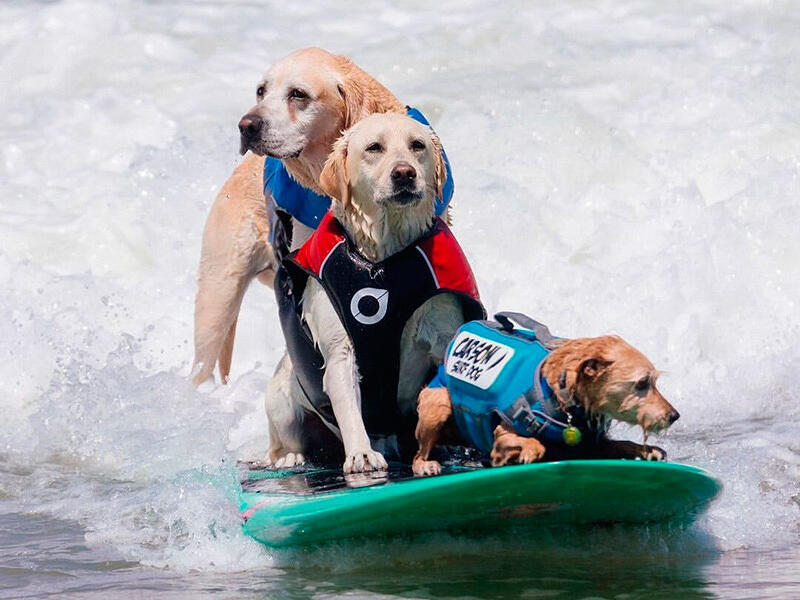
(572, 436)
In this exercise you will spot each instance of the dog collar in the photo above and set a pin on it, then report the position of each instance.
(545, 418)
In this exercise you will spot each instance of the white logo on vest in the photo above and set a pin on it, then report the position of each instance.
(476, 360)
(375, 296)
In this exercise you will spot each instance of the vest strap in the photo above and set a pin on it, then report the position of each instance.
(542, 332)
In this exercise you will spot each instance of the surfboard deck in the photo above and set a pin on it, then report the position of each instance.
(305, 508)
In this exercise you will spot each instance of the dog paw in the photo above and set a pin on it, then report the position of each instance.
(531, 453)
(289, 460)
(520, 451)
(365, 461)
(426, 467)
(501, 458)
(653, 453)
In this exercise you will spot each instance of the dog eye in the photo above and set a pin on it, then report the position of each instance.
(642, 385)
(298, 94)
(374, 147)
(417, 145)
(260, 91)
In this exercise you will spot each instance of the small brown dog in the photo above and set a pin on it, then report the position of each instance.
(583, 384)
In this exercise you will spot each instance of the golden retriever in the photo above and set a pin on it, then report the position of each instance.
(302, 105)
(383, 175)
(605, 377)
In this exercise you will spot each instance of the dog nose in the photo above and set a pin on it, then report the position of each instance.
(250, 126)
(403, 174)
(673, 416)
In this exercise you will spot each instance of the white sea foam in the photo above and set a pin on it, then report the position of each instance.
(620, 167)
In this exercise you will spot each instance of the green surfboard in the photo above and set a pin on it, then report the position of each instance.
(291, 509)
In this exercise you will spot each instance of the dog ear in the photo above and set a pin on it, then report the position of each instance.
(440, 171)
(353, 97)
(572, 379)
(362, 93)
(592, 368)
(333, 180)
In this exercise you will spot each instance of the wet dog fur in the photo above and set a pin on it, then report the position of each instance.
(606, 375)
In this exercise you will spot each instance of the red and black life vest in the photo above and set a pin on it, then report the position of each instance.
(374, 302)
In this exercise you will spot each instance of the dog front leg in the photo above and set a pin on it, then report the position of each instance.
(341, 383)
(624, 449)
(512, 448)
(435, 410)
(341, 379)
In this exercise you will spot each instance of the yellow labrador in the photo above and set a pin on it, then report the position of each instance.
(302, 104)
(383, 175)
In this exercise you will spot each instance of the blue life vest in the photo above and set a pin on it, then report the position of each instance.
(307, 206)
(493, 373)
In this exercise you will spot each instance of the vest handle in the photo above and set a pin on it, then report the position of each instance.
(542, 332)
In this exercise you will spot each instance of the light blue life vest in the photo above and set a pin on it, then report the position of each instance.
(307, 206)
(493, 372)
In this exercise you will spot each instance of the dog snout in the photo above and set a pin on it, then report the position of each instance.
(250, 131)
(655, 413)
(250, 126)
(403, 175)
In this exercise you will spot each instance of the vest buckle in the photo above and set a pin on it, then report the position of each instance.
(520, 411)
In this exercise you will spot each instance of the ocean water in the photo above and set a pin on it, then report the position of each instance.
(625, 167)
